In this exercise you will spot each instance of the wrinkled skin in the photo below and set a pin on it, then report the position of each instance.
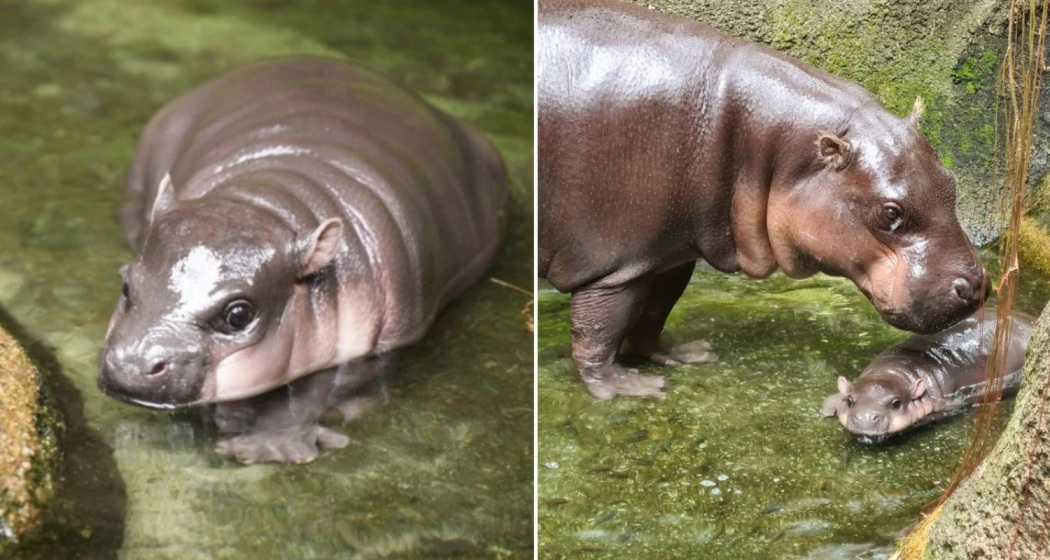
(928, 377)
(292, 217)
(663, 142)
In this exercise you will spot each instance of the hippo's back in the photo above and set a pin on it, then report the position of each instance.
(311, 138)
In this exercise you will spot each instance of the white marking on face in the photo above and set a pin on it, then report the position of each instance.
(195, 278)
(916, 256)
(879, 159)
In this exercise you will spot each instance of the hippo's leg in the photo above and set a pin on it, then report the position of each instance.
(600, 318)
(352, 400)
(644, 337)
(283, 425)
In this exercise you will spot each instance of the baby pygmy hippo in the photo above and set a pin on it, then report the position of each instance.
(291, 217)
(927, 377)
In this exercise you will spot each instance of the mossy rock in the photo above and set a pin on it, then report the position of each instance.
(1034, 245)
(28, 444)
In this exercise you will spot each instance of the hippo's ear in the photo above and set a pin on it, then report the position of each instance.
(918, 389)
(321, 247)
(165, 199)
(915, 118)
(833, 151)
(831, 406)
(844, 386)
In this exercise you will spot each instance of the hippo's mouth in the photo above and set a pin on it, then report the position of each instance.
(873, 439)
(109, 392)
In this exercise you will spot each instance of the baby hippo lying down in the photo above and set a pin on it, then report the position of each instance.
(927, 377)
(295, 222)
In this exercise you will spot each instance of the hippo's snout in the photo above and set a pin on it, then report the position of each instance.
(972, 287)
(870, 423)
(130, 365)
(941, 301)
(151, 380)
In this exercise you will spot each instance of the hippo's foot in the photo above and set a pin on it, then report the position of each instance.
(298, 444)
(606, 382)
(696, 352)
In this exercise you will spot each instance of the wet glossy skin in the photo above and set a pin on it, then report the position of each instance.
(293, 216)
(663, 141)
(927, 377)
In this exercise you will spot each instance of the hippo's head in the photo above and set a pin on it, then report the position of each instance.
(214, 290)
(877, 406)
(872, 202)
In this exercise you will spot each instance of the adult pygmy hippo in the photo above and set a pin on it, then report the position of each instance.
(928, 377)
(663, 141)
(289, 217)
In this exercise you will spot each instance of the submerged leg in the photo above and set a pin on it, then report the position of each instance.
(352, 399)
(644, 336)
(600, 318)
(284, 425)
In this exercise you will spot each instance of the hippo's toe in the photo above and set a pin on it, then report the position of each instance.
(301, 444)
(613, 380)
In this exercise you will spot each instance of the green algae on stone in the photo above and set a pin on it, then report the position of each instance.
(28, 445)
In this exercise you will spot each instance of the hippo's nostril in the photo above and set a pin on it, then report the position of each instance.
(963, 289)
(158, 368)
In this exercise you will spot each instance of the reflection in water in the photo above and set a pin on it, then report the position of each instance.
(284, 425)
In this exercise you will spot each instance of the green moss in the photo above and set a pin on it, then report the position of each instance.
(1034, 246)
(974, 71)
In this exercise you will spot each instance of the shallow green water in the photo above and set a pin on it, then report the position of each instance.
(445, 469)
(736, 462)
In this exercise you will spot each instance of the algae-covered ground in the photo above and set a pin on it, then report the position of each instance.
(736, 462)
(444, 469)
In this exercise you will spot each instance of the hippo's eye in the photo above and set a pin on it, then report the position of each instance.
(896, 404)
(125, 292)
(850, 402)
(891, 216)
(238, 315)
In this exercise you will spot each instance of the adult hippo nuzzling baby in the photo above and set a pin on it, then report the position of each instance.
(928, 377)
(663, 142)
(290, 217)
